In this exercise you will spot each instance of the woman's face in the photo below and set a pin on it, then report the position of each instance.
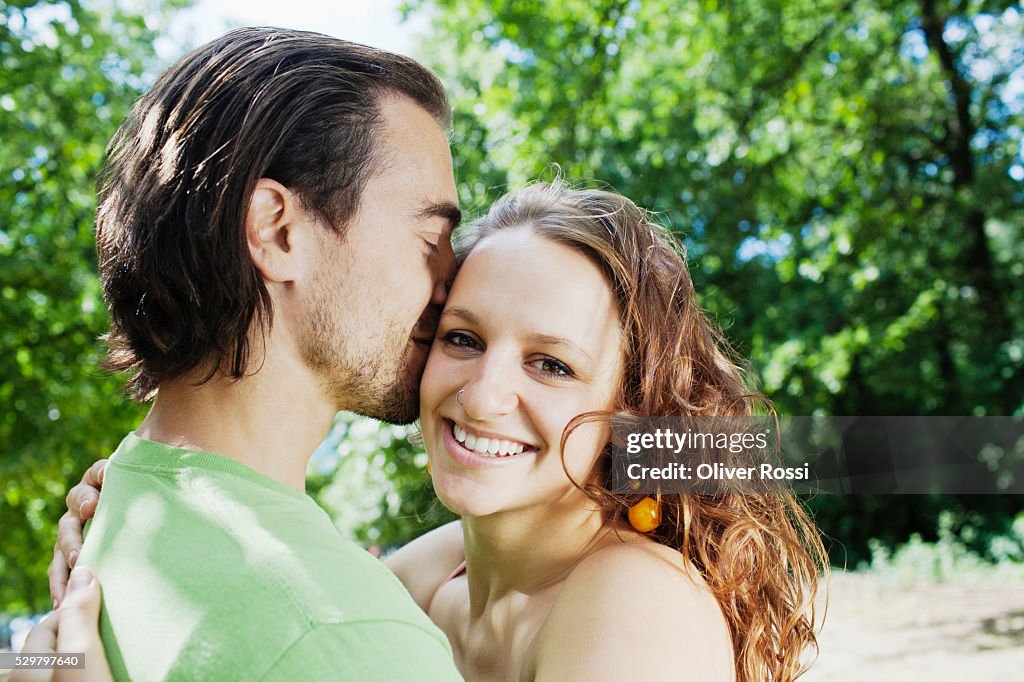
(530, 335)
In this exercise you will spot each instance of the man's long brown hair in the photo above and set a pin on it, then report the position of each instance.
(760, 555)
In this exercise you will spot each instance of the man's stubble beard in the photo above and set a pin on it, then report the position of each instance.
(368, 373)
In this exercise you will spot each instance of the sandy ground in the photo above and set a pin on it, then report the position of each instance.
(879, 629)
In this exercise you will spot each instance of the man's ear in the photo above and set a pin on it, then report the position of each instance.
(274, 221)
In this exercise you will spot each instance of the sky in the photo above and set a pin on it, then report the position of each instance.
(376, 23)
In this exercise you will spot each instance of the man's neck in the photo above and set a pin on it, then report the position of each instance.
(270, 421)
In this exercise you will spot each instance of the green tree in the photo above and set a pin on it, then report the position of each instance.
(69, 73)
(846, 175)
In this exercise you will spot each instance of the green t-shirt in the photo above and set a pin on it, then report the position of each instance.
(211, 571)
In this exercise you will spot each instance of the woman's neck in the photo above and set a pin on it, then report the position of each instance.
(526, 551)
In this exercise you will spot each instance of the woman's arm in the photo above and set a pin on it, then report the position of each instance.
(426, 562)
(634, 611)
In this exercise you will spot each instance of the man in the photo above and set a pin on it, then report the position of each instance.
(273, 236)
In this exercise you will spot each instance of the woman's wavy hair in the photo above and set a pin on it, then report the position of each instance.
(760, 555)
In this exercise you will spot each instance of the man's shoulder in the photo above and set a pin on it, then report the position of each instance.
(369, 650)
(213, 535)
(217, 574)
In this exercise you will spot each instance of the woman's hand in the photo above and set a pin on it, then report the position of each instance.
(81, 502)
(72, 629)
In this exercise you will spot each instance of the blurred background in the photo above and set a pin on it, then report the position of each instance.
(848, 177)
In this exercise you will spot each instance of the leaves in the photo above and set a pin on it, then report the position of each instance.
(808, 153)
(68, 76)
(846, 175)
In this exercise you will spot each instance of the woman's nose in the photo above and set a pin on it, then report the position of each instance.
(490, 392)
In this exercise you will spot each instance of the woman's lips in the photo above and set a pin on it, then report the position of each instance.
(460, 453)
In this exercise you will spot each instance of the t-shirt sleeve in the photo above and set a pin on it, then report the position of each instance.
(364, 652)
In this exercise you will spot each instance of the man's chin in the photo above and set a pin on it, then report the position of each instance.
(400, 410)
(397, 404)
(403, 404)
(404, 410)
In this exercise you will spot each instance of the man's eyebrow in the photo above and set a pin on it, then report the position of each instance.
(442, 209)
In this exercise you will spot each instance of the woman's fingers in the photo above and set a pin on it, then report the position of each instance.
(42, 639)
(58, 574)
(81, 501)
(65, 555)
(83, 498)
(69, 537)
(94, 474)
(79, 630)
(72, 629)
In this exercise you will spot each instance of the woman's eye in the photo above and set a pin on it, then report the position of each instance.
(459, 340)
(554, 368)
(432, 247)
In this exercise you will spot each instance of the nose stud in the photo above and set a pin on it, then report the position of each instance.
(458, 396)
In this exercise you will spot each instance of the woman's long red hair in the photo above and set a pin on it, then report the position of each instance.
(760, 555)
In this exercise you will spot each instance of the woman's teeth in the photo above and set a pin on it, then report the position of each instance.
(488, 447)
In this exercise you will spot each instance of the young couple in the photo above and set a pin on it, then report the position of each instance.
(273, 233)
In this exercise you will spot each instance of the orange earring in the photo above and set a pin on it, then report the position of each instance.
(429, 472)
(645, 515)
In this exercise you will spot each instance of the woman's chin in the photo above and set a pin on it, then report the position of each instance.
(467, 508)
(462, 502)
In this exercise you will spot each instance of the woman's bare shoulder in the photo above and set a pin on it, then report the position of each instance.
(641, 574)
(635, 609)
(425, 563)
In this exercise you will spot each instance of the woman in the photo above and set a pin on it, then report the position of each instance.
(571, 306)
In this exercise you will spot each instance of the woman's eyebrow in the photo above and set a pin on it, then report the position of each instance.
(461, 313)
(548, 340)
(540, 339)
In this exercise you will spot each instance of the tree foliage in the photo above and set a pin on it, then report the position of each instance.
(846, 176)
(69, 74)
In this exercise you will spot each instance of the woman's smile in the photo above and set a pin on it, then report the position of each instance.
(475, 448)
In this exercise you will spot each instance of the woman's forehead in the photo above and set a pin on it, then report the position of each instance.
(520, 279)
